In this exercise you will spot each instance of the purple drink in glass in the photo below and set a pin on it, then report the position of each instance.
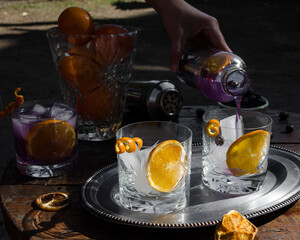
(45, 138)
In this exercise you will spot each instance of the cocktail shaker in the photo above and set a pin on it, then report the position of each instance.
(157, 99)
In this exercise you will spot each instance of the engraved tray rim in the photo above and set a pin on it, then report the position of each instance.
(115, 217)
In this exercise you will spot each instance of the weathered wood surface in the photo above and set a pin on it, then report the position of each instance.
(24, 221)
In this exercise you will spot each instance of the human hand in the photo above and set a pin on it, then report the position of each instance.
(185, 23)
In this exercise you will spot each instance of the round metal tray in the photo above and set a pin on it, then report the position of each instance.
(206, 207)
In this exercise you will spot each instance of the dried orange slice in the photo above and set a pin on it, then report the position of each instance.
(127, 144)
(217, 62)
(166, 166)
(52, 201)
(244, 154)
(212, 128)
(50, 140)
(234, 226)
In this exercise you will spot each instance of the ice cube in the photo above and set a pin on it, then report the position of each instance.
(39, 109)
(218, 156)
(61, 111)
(26, 118)
(136, 162)
(230, 129)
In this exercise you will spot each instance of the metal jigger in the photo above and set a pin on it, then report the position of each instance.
(159, 99)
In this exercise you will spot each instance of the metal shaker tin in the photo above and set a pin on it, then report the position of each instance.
(158, 99)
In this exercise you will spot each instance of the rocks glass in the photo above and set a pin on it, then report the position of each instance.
(94, 78)
(45, 138)
(141, 173)
(235, 160)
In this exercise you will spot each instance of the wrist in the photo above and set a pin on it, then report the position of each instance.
(164, 6)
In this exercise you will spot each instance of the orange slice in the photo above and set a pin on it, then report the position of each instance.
(234, 226)
(167, 166)
(80, 71)
(98, 104)
(50, 140)
(245, 154)
(52, 201)
(217, 62)
(212, 128)
(112, 43)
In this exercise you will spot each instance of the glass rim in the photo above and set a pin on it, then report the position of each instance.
(164, 122)
(132, 30)
(270, 120)
(30, 103)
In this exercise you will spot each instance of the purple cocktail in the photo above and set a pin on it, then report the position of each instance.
(45, 138)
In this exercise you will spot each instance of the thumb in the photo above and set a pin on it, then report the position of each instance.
(216, 39)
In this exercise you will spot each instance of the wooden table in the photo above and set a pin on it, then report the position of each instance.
(24, 221)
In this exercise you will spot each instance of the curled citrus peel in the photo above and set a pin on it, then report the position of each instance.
(13, 105)
(128, 144)
(212, 128)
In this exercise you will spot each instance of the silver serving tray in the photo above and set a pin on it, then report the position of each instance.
(206, 207)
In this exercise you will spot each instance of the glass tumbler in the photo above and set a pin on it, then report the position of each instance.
(45, 136)
(235, 151)
(94, 78)
(149, 180)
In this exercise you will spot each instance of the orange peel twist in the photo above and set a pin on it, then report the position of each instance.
(212, 128)
(13, 105)
(128, 144)
(138, 141)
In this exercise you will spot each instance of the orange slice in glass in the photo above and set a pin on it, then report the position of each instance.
(167, 166)
(212, 128)
(80, 71)
(234, 226)
(112, 42)
(52, 201)
(245, 154)
(51, 140)
(96, 105)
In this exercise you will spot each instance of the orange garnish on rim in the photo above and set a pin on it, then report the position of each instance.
(128, 144)
(212, 128)
(13, 105)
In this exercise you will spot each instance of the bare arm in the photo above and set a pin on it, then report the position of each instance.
(183, 22)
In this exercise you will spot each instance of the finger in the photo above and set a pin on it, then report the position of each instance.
(175, 54)
(216, 38)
